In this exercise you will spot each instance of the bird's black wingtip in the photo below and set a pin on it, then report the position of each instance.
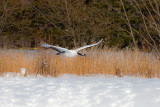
(42, 44)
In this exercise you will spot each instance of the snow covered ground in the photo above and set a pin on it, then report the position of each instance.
(72, 91)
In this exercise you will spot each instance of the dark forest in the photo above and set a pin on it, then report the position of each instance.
(73, 23)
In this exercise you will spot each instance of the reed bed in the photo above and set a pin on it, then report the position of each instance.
(96, 63)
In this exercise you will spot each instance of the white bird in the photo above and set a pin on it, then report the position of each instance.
(66, 52)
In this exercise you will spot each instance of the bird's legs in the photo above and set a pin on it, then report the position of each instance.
(81, 54)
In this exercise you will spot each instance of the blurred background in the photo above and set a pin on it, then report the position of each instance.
(73, 23)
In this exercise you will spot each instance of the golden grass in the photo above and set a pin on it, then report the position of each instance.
(110, 62)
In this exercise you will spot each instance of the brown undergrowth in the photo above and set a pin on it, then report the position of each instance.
(109, 62)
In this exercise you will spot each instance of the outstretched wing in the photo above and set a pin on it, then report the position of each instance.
(56, 48)
(78, 49)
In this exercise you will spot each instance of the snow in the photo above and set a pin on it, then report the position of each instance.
(72, 91)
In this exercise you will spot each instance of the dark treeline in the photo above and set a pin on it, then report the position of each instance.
(73, 23)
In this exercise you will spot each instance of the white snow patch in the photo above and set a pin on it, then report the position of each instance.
(23, 71)
(79, 92)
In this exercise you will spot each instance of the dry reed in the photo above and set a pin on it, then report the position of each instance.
(110, 62)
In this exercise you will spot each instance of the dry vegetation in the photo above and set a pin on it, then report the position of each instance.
(108, 62)
(123, 24)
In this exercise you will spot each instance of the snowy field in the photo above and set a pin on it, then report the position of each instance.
(72, 91)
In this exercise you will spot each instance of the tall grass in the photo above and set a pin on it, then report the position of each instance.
(109, 62)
